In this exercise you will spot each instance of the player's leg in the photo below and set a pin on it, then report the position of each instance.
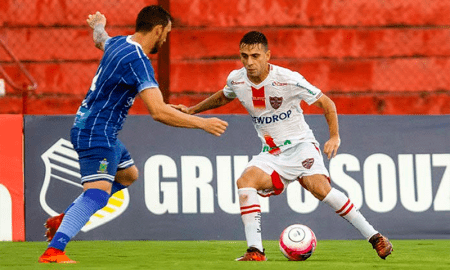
(98, 167)
(320, 187)
(314, 177)
(127, 172)
(123, 179)
(252, 180)
(94, 197)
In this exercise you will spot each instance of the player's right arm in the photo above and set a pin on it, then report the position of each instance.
(216, 100)
(97, 22)
(164, 113)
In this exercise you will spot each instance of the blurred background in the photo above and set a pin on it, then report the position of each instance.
(369, 56)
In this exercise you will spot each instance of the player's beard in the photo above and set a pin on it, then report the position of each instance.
(156, 47)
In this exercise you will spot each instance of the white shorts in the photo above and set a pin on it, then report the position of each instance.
(302, 159)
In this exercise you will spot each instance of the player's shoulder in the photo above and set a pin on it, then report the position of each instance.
(126, 50)
(119, 38)
(236, 77)
(285, 74)
(237, 73)
(115, 41)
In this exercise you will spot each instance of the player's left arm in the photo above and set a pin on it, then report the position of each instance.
(329, 111)
(97, 22)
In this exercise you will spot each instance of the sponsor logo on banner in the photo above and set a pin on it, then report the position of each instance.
(276, 102)
(61, 166)
(376, 190)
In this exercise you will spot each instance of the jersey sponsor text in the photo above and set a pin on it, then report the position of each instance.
(272, 119)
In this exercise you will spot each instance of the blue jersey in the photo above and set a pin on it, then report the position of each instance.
(123, 72)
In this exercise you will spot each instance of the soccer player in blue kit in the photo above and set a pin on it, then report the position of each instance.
(105, 164)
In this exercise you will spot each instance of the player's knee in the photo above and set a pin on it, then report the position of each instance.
(101, 185)
(318, 185)
(244, 182)
(240, 183)
(134, 175)
(127, 176)
(254, 178)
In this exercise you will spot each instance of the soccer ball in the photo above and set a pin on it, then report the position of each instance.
(298, 242)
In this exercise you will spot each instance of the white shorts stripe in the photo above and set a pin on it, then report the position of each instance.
(125, 164)
(94, 177)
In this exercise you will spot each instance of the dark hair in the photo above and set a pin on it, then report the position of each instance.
(151, 16)
(254, 38)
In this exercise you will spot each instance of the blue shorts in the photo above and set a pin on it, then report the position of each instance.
(102, 163)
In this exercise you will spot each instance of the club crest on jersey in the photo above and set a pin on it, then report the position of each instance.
(103, 166)
(307, 163)
(276, 102)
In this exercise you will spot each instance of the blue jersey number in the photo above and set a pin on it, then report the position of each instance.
(94, 80)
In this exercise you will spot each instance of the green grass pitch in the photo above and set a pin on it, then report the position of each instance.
(178, 255)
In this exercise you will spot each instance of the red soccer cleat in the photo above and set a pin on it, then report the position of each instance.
(53, 255)
(253, 254)
(382, 245)
(52, 226)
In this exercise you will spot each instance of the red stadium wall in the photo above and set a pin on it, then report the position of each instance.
(369, 56)
(12, 226)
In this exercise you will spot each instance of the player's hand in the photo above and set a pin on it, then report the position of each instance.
(331, 146)
(97, 18)
(181, 108)
(215, 126)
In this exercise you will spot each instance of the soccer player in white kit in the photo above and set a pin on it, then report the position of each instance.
(290, 152)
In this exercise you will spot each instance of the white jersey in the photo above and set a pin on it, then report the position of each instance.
(274, 105)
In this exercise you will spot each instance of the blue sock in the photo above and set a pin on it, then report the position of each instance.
(78, 215)
(76, 200)
(116, 186)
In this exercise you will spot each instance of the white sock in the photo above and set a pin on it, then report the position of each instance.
(251, 217)
(345, 208)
